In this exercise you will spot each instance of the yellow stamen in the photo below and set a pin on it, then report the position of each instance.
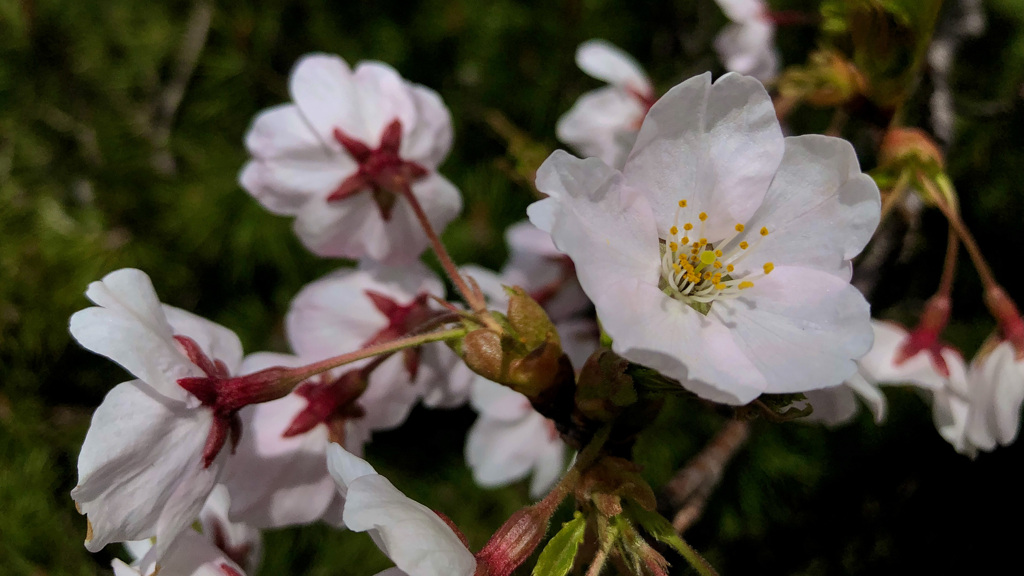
(730, 268)
(685, 240)
(673, 246)
(717, 264)
(764, 231)
(703, 241)
(746, 284)
(673, 230)
(687, 226)
(720, 286)
(682, 203)
(718, 253)
(744, 245)
(768, 267)
(703, 216)
(739, 227)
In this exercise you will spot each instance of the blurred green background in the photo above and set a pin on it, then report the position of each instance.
(96, 175)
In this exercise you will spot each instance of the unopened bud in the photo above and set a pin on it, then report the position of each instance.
(1006, 314)
(828, 80)
(515, 541)
(904, 146)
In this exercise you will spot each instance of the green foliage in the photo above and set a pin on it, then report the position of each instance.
(557, 557)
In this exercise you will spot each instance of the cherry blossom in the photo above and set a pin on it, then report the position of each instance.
(276, 479)
(354, 308)
(995, 392)
(153, 451)
(747, 44)
(192, 554)
(886, 363)
(720, 254)
(341, 158)
(416, 539)
(603, 123)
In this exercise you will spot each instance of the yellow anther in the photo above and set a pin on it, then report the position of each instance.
(739, 227)
(764, 231)
(720, 286)
(687, 226)
(746, 284)
(685, 240)
(718, 253)
(744, 245)
(707, 275)
(717, 264)
(703, 216)
(706, 257)
(716, 278)
(768, 267)
(703, 241)
(730, 268)
(673, 246)
(682, 203)
(673, 230)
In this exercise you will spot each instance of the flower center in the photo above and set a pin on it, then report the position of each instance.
(698, 272)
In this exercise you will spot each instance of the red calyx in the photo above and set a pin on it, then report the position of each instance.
(514, 542)
(225, 395)
(926, 336)
(402, 320)
(328, 403)
(381, 170)
(1006, 314)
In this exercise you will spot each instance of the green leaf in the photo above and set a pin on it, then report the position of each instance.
(557, 557)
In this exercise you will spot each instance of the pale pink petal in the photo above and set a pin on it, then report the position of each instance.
(498, 402)
(580, 338)
(192, 554)
(431, 139)
(244, 542)
(742, 10)
(383, 97)
(996, 392)
(749, 48)
(802, 328)
(717, 146)
(820, 210)
(602, 124)
(833, 406)
(325, 91)
(413, 536)
(603, 60)
(218, 342)
(130, 328)
(139, 452)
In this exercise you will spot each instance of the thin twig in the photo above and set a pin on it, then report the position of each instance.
(688, 491)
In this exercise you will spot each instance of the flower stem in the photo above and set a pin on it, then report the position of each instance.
(305, 372)
(949, 266)
(472, 297)
(984, 270)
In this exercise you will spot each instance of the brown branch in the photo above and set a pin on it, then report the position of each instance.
(688, 491)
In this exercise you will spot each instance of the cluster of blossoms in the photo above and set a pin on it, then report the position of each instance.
(693, 240)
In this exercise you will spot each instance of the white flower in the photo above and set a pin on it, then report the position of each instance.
(338, 158)
(995, 392)
(885, 364)
(277, 480)
(747, 45)
(351, 309)
(192, 554)
(603, 123)
(152, 454)
(720, 254)
(510, 440)
(416, 539)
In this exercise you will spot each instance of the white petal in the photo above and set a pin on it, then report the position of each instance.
(548, 468)
(602, 124)
(390, 395)
(607, 228)
(996, 392)
(406, 240)
(498, 402)
(130, 328)
(218, 342)
(345, 467)
(717, 146)
(430, 139)
(383, 97)
(580, 339)
(879, 363)
(237, 537)
(803, 329)
(183, 505)
(820, 209)
(415, 538)
(871, 394)
(139, 452)
(749, 48)
(501, 451)
(325, 91)
(525, 238)
(742, 10)
(192, 554)
(833, 406)
(603, 60)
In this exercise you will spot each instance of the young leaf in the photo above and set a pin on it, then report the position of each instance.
(557, 557)
(661, 529)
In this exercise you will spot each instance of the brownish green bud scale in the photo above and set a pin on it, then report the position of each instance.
(828, 80)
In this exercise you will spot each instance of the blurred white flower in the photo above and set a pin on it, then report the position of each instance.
(416, 539)
(720, 254)
(340, 156)
(747, 44)
(153, 451)
(603, 123)
(995, 392)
